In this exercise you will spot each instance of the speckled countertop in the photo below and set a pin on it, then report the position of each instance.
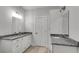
(63, 39)
(15, 36)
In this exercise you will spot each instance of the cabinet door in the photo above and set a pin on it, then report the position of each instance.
(29, 39)
(17, 45)
(26, 42)
(77, 49)
(5, 46)
(64, 49)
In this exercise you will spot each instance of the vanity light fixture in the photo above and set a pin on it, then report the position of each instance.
(14, 14)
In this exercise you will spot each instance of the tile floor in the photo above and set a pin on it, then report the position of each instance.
(36, 49)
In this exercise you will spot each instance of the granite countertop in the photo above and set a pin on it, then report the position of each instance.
(60, 35)
(15, 36)
(63, 39)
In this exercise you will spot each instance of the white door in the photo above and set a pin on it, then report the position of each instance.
(41, 31)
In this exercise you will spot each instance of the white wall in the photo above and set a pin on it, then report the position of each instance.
(65, 22)
(6, 18)
(74, 22)
(29, 21)
(58, 22)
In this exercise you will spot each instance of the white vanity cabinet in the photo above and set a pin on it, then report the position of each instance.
(64, 49)
(6, 46)
(64, 45)
(26, 42)
(21, 44)
(18, 45)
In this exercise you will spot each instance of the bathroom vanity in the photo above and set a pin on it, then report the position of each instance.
(61, 43)
(15, 43)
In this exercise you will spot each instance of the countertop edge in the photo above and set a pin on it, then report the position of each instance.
(23, 35)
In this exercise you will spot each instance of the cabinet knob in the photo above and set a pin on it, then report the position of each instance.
(36, 33)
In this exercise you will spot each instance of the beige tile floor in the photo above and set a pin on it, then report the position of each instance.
(37, 49)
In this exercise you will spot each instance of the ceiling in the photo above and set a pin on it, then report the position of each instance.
(36, 7)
